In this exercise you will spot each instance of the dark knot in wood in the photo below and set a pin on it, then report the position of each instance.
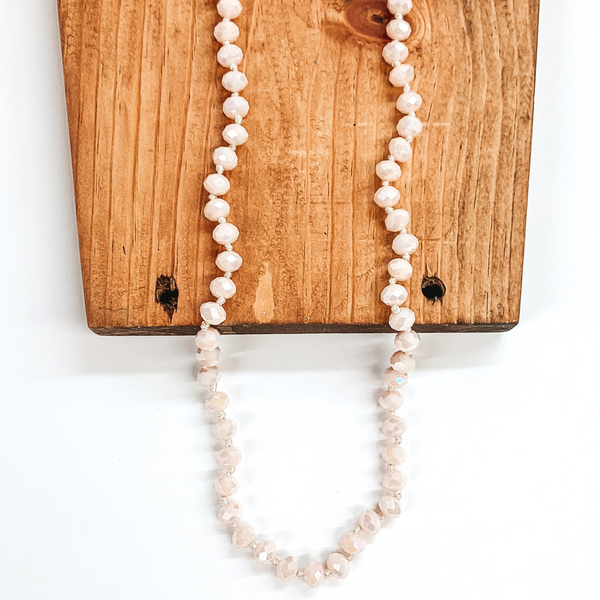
(167, 294)
(368, 18)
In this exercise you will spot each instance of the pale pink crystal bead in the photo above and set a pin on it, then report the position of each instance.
(400, 149)
(407, 341)
(235, 134)
(225, 233)
(230, 513)
(208, 339)
(402, 75)
(402, 320)
(394, 481)
(212, 313)
(395, 379)
(410, 126)
(243, 536)
(400, 361)
(226, 485)
(224, 430)
(229, 55)
(409, 102)
(391, 400)
(388, 170)
(399, 7)
(216, 209)
(394, 294)
(352, 543)
(397, 220)
(229, 9)
(400, 269)
(217, 402)
(209, 358)
(393, 426)
(338, 564)
(228, 261)
(217, 184)
(394, 52)
(398, 29)
(387, 195)
(265, 552)
(229, 457)
(208, 376)
(234, 81)
(226, 31)
(314, 573)
(393, 454)
(235, 106)
(389, 506)
(225, 157)
(287, 568)
(405, 243)
(222, 287)
(369, 522)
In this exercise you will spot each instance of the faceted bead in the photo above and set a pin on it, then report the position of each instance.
(217, 184)
(229, 9)
(212, 313)
(398, 29)
(402, 75)
(235, 134)
(397, 220)
(226, 485)
(222, 287)
(394, 294)
(208, 376)
(395, 52)
(391, 400)
(229, 55)
(338, 564)
(389, 506)
(228, 261)
(287, 568)
(314, 573)
(229, 457)
(209, 358)
(387, 195)
(399, 7)
(409, 126)
(409, 102)
(393, 454)
(217, 402)
(393, 426)
(369, 522)
(400, 269)
(234, 81)
(224, 430)
(265, 552)
(388, 170)
(352, 543)
(225, 233)
(394, 481)
(235, 106)
(400, 149)
(230, 513)
(395, 379)
(402, 320)
(226, 31)
(216, 209)
(405, 243)
(225, 156)
(407, 341)
(243, 536)
(209, 339)
(402, 362)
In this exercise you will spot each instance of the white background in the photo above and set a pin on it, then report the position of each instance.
(106, 460)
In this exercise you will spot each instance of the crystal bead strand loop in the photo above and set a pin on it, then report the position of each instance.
(393, 295)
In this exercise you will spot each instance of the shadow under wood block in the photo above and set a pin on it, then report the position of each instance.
(145, 112)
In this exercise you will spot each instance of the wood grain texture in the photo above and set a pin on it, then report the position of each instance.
(144, 102)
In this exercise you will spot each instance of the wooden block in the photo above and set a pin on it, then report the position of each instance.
(144, 101)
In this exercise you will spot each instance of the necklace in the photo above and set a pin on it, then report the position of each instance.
(401, 319)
